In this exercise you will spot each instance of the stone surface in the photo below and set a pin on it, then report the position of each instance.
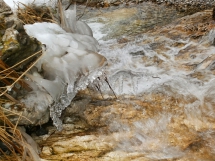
(15, 45)
(4, 8)
(189, 57)
(188, 6)
(109, 132)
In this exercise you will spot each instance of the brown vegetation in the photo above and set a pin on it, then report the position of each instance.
(13, 145)
(32, 14)
(11, 138)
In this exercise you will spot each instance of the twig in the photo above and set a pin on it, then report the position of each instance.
(98, 88)
(11, 98)
(68, 5)
(84, 10)
(20, 62)
(106, 80)
(15, 128)
(14, 113)
(155, 77)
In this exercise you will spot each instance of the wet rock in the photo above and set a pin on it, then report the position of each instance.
(189, 6)
(88, 142)
(122, 40)
(150, 61)
(137, 53)
(133, 20)
(130, 129)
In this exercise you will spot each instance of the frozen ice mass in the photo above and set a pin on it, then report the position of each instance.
(69, 63)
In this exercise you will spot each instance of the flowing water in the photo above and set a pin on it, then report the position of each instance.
(173, 72)
(161, 68)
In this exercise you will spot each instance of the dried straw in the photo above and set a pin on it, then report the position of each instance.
(10, 136)
(32, 14)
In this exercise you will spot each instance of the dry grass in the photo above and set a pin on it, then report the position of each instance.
(10, 136)
(9, 77)
(13, 146)
(32, 14)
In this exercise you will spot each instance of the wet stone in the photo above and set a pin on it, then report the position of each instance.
(138, 53)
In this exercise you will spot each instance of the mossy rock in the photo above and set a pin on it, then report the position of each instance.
(15, 44)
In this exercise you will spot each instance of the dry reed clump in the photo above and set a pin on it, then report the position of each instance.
(13, 144)
(13, 147)
(32, 14)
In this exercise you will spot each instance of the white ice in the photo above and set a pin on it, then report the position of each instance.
(70, 59)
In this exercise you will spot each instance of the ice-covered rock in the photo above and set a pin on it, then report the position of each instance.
(70, 61)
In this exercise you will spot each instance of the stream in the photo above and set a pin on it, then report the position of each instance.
(161, 69)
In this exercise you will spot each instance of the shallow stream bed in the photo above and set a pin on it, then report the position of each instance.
(161, 69)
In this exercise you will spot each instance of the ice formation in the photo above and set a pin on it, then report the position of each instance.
(69, 63)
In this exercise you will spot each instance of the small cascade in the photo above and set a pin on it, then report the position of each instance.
(176, 76)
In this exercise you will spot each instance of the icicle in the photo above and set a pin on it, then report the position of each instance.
(70, 24)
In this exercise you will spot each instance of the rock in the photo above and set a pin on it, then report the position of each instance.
(213, 14)
(113, 136)
(16, 45)
(4, 9)
(47, 150)
(131, 21)
(122, 40)
(32, 113)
